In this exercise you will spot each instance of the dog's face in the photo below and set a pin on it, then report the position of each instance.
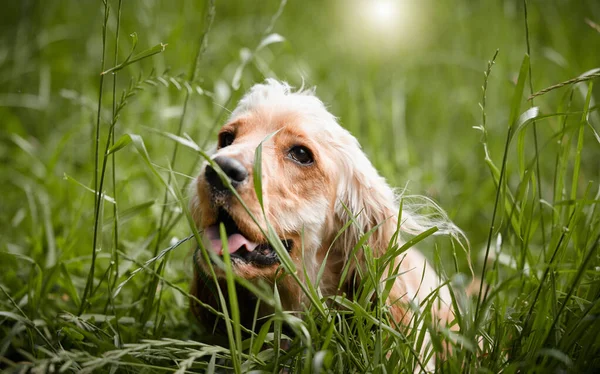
(315, 178)
(298, 188)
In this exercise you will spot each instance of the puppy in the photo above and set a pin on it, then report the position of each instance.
(315, 179)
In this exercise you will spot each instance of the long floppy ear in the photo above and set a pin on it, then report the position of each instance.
(364, 197)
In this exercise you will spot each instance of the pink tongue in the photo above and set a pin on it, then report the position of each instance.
(234, 242)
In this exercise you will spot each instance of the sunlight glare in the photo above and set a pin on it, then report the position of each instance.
(383, 27)
(383, 13)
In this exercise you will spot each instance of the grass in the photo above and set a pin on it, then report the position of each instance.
(98, 282)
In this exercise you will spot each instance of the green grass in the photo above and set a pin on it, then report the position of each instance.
(519, 175)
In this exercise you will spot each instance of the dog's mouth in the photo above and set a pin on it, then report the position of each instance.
(240, 248)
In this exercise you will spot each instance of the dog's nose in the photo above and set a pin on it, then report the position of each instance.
(234, 169)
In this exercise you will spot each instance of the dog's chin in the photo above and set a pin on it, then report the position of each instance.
(250, 253)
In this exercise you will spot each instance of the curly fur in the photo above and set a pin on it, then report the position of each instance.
(311, 204)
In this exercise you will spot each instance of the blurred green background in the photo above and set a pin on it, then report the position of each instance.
(405, 78)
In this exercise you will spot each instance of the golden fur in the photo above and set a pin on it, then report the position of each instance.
(309, 204)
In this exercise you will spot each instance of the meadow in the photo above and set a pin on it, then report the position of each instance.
(486, 107)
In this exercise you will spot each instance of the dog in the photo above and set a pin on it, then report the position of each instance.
(315, 180)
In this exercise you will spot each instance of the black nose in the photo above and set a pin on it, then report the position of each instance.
(234, 169)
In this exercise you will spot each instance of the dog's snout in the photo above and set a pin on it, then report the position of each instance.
(234, 169)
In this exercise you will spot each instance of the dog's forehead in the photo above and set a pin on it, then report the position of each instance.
(263, 121)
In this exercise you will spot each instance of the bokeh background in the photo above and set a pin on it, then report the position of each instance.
(404, 76)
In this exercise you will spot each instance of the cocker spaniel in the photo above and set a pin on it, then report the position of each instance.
(320, 193)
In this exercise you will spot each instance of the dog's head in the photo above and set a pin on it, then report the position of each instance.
(314, 179)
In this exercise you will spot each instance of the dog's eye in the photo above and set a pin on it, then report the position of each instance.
(301, 155)
(225, 139)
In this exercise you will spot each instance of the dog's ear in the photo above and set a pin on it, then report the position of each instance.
(366, 206)
(364, 197)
